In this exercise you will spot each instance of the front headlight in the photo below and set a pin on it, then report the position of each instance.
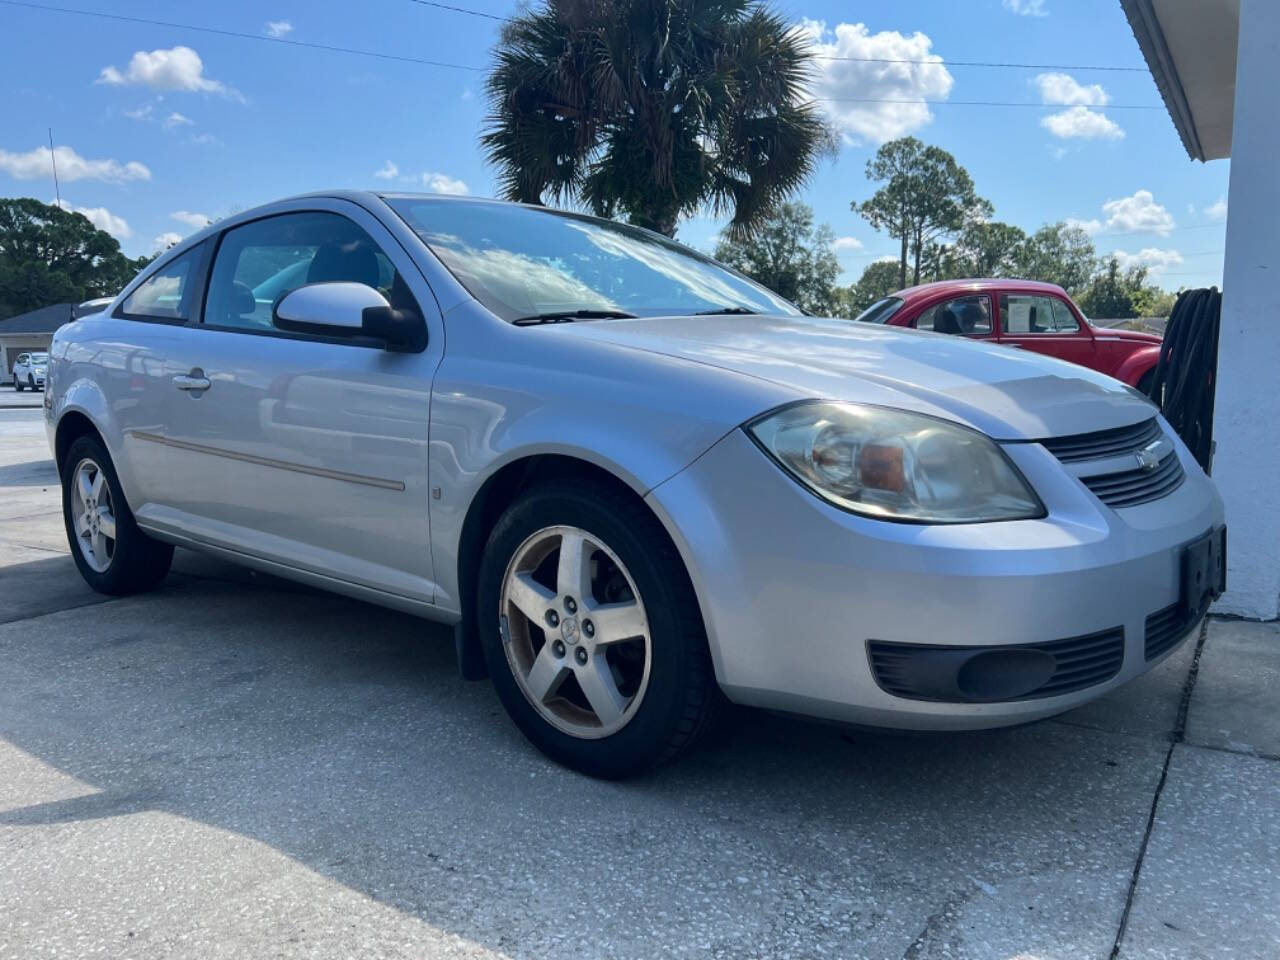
(894, 465)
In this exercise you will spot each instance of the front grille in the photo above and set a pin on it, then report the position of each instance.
(1079, 662)
(1103, 443)
(1164, 629)
(1128, 488)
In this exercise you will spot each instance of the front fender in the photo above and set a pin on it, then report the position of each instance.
(505, 393)
(1137, 364)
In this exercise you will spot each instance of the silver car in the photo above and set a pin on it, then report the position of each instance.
(640, 485)
(29, 371)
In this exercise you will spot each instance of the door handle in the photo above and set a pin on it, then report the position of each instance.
(193, 381)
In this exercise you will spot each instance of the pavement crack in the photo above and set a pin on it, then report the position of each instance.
(1179, 735)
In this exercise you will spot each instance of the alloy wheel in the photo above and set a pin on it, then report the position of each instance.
(575, 632)
(93, 515)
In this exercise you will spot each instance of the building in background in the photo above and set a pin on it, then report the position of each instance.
(30, 331)
(1217, 65)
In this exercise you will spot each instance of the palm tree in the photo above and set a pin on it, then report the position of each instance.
(653, 109)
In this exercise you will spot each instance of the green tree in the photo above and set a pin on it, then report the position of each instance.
(986, 249)
(1110, 293)
(1152, 301)
(926, 195)
(49, 255)
(653, 109)
(788, 255)
(1114, 294)
(878, 280)
(1057, 253)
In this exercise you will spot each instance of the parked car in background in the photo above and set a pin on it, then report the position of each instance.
(1040, 317)
(29, 371)
(637, 482)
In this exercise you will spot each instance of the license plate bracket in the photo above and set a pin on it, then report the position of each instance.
(1204, 572)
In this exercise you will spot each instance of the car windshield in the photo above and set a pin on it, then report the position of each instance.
(39, 358)
(526, 262)
(880, 311)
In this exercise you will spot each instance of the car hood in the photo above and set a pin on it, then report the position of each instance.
(1005, 393)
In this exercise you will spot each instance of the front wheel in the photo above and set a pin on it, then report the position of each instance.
(17, 385)
(591, 631)
(112, 554)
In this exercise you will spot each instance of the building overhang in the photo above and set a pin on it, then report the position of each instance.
(1190, 47)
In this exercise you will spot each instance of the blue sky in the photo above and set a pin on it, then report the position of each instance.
(158, 126)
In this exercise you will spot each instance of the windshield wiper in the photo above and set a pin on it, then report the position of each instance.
(722, 310)
(568, 316)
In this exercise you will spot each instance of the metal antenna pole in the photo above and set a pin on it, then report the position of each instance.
(53, 157)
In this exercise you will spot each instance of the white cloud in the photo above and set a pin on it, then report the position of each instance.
(1157, 261)
(1082, 123)
(467, 95)
(71, 166)
(1138, 214)
(142, 112)
(1026, 8)
(443, 183)
(847, 243)
(179, 68)
(167, 240)
(204, 138)
(1088, 226)
(278, 28)
(197, 221)
(1217, 211)
(389, 171)
(1064, 89)
(177, 120)
(844, 86)
(100, 217)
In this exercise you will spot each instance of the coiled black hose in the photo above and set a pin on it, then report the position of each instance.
(1186, 375)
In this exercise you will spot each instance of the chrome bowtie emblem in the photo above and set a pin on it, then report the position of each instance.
(569, 629)
(1147, 460)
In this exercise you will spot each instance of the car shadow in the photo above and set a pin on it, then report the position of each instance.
(340, 734)
(32, 473)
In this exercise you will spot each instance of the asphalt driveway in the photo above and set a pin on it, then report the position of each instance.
(236, 766)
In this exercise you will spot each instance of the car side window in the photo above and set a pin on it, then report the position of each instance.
(1064, 321)
(167, 293)
(259, 262)
(969, 316)
(1035, 314)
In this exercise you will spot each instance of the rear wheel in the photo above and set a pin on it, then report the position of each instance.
(112, 554)
(591, 631)
(17, 385)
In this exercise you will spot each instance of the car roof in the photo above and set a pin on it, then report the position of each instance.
(977, 285)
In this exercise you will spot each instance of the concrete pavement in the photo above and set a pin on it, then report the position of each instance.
(236, 766)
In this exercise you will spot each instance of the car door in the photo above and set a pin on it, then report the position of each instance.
(298, 449)
(1044, 323)
(968, 315)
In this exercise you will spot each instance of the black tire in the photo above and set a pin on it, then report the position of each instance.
(138, 563)
(17, 385)
(31, 382)
(682, 700)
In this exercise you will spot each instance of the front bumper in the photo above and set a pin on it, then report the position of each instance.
(792, 589)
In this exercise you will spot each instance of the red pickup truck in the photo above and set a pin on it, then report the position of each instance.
(1024, 314)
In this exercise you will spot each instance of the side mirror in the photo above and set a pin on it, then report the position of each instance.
(343, 309)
